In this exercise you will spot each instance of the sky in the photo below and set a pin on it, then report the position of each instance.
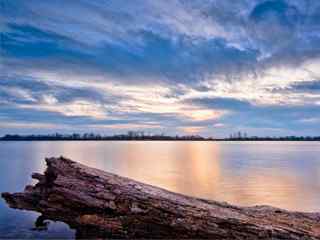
(207, 67)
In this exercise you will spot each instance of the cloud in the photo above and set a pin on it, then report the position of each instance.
(127, 126)
(16, 94)
(130, 99)
(178, 63)
(192, 130)
(219, 125)
(310, 120)
(311, 86)
(72, 109)
(28, 125)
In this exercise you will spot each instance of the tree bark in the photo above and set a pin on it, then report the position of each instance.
(101, 204)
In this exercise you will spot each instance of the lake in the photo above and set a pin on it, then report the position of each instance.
(281, 174)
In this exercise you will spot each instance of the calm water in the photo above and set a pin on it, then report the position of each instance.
(282, 174)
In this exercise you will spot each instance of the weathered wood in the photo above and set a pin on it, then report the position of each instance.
(101, 204)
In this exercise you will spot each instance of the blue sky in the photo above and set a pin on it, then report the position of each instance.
(204, 67)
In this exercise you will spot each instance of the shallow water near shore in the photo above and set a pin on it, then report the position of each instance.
(281, 174)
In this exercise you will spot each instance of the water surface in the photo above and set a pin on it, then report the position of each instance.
(282, 174)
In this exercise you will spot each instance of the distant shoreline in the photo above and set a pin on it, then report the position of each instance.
(140, 136)
(158, 140)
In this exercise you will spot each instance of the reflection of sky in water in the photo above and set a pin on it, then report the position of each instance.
(17, 162)
(283, 174)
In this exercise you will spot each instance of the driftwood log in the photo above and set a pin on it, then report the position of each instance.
(101, 204)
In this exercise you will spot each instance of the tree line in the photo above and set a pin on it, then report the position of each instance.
(138, 135)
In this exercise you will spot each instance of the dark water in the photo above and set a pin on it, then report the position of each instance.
(282, 174)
